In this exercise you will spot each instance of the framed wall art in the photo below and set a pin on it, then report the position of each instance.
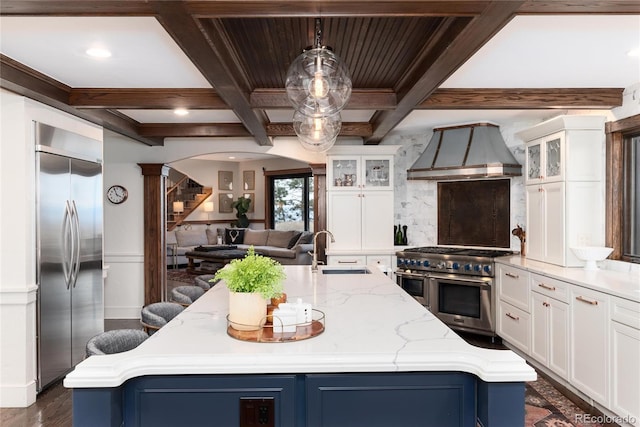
(225, 201)
(249, 180)
(225, 180)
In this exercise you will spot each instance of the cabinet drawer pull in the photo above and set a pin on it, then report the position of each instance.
(547, 287)
(513, 276)
(347, 262)
(511, 316)
(588, 301)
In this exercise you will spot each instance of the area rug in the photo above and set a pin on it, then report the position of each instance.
(545, 406)
(181, 275)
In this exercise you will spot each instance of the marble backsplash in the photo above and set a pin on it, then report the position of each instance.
(416, 201)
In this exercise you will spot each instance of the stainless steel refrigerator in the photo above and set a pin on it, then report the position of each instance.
(69, 248)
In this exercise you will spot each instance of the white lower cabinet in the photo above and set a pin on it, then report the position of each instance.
(514, 325)
(513, 321)
(625, 359)
(549, 333)
(589, 343)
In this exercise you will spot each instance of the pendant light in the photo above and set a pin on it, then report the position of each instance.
(317, 133)
(319, 86)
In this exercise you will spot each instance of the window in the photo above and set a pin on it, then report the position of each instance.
(623, 183)
(291, 204)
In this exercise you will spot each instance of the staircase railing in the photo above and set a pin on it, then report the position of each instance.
(182, 188)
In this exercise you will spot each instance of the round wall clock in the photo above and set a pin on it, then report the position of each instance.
(117, 194)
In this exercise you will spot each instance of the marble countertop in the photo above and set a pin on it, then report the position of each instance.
(372, 325)
(623, 284)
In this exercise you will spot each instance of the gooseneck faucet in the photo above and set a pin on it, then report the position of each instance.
(314, 263)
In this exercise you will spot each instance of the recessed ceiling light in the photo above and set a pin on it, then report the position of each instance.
(232, 157)
(98, 52)
(180, 112)
(634, 52)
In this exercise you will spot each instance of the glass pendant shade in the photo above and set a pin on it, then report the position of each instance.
(318, 82)
(317, 133)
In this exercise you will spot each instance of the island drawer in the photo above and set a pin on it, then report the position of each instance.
(513, 286)
(553, 288)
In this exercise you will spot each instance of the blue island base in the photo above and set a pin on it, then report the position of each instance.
(438, 399)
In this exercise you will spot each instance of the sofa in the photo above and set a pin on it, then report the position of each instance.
(286, 247)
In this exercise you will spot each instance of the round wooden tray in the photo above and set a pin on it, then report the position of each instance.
(266, 332)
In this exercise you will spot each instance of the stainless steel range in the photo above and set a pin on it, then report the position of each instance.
(454, 283)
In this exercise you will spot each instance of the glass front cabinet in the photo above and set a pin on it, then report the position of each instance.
(357, 173)
(545, 159)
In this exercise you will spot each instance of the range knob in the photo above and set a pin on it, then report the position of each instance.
(455, 266)
(468, 267)
(477, 267)
(412, 262)
(399, 262)
(487, 269)
(426, 263)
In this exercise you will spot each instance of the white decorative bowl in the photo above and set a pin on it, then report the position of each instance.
(591, 254)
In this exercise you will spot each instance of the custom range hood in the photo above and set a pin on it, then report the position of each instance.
(466, 151)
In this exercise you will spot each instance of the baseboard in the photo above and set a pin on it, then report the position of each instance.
(18, 396)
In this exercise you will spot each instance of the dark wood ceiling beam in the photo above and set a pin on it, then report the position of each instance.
(185, 130)
(576, 7)
(28, 82)
(211, 54)
(152, 98)
(348, 129)
(361, 99)
(458, 51)
(76, 8)
(522, 99)
(283, 8)
(119, 123)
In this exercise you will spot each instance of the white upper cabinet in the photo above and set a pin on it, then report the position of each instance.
(357, 173)
(545, 159)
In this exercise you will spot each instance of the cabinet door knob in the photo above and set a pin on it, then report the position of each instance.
(545, 304)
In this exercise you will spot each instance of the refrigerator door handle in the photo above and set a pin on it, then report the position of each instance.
(76, 243)
(66, 244)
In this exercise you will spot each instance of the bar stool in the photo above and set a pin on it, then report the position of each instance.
(185, 295)
(116, 341)
(156, 315)
(203, 281)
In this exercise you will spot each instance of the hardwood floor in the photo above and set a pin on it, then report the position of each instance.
(53, 405)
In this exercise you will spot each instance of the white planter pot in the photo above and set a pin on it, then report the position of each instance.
(247, 311)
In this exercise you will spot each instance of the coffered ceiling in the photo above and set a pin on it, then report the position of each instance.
(413, 63)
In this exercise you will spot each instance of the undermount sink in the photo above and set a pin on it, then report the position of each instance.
(346, 271)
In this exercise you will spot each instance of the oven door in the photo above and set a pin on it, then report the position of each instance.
(415, 284)
(464, 303)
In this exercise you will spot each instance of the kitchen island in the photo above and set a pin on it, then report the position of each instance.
(382, 360)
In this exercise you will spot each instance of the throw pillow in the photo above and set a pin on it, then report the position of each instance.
(234, 236)
(256, 237)
(212, 237)
(307, 237)
(191, 238)
(280, 239)
(294, 239)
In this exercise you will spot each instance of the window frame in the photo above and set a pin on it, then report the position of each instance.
(617, 215)
(270, 176)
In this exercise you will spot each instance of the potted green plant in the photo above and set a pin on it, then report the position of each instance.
(242, 207)
(252, 281)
